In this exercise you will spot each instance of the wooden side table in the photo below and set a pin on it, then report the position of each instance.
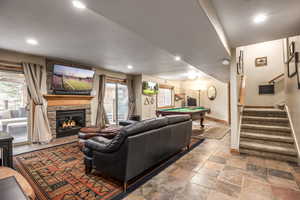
(6, 146)
(6, 172)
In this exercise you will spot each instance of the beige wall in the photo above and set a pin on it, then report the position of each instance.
(21, 57)
(148, 111)
(293, 95)
(261, 75)
(219, 106)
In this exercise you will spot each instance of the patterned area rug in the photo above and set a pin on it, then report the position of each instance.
(57, 173)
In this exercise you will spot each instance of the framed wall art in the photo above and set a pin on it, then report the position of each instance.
(260, 62)
(292, 49)
(297, 68)
(240, 63)
(292, 65)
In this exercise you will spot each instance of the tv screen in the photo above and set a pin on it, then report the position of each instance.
(71, 79)
(150, 88)
(266, 89)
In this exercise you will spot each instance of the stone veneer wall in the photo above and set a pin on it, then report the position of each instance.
(51, 111)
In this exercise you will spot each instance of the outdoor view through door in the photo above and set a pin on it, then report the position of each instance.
(116, 102)
(13, 99)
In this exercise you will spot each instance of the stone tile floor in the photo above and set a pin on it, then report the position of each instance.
(211, 172)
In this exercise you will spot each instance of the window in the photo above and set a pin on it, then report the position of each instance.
(164, 97)
(116, 102)
(13, 100)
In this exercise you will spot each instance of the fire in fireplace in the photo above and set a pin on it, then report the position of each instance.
(69, 122)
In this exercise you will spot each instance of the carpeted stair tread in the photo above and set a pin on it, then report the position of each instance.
(268, 137)
(264, 112)
(254, 119)
(268, 142)
(264, 109)
(268, 148)
(266, 127)
(270, 155)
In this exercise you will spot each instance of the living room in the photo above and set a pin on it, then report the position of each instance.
(141, 100)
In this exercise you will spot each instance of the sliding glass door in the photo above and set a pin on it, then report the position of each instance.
(116, 102)
(13, 101)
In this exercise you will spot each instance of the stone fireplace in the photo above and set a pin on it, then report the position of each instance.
(68, 113)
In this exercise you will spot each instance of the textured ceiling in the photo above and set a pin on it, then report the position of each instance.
(113, 34)
(237, 19)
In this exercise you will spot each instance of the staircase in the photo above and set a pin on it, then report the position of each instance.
(267, 133)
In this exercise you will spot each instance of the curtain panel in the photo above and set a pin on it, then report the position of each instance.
(131, 97)
(40, 129)
(101, 119)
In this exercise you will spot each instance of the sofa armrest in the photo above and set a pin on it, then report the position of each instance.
(105, 145)
(98, 143)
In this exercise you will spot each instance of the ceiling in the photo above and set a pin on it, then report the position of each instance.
(237, 19)
(191, 74)
(145, 34)
(113, 34)
(180, 27)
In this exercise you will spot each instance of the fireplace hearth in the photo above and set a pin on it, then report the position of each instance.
(69, 122)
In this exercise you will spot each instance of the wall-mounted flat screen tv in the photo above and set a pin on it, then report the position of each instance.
(150, 88)
(71, 80)
(266, 89)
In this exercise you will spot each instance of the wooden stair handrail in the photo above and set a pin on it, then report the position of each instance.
(277, 77)
(242, 91)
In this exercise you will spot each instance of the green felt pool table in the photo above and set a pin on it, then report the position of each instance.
(193, 111)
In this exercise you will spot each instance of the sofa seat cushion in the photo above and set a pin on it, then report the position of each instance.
(173, 119)
(144, 126)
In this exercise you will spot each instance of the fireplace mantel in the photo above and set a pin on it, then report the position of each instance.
(67, 100)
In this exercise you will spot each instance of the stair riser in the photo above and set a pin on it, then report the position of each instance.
(265, 132)
(267, 150)
(267, 142)
(269, 155)
(289, 141)
(264, 114)
(265, 122)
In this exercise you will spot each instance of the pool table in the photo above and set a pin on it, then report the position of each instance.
(193, 111)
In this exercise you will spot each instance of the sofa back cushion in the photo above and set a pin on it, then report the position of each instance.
(144, 126)
(173, 119)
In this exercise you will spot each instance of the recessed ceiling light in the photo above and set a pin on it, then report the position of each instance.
(78, 4)
(260, 18)
(225, 61)
(129, 66)
(177, 58)
(32, 41)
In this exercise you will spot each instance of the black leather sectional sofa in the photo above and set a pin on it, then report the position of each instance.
(138, 147)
